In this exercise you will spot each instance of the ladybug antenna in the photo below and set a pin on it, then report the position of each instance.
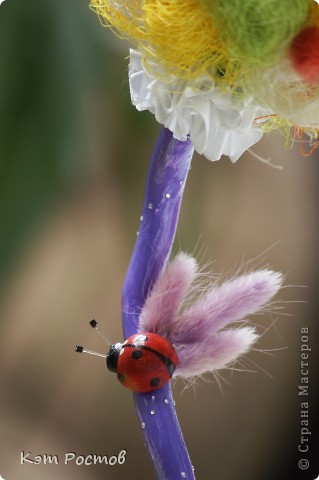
(94, 324)
(80, 349)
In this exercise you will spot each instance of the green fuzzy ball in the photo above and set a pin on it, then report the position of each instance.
(255, 31)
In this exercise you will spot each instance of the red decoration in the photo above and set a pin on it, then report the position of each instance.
(304, 51)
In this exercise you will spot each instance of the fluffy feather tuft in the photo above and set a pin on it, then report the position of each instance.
(162, 306)
(196, 331)
(216, 353)
(224, 304)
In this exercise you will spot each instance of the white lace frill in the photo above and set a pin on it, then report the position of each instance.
(215, 123)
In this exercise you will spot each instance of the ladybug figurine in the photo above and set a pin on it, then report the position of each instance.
(143, 363)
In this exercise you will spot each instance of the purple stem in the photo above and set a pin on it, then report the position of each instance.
(162, 199)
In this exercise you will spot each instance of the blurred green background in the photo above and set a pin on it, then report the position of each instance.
(73, 160)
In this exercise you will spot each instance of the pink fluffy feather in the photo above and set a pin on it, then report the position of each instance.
(196, 332)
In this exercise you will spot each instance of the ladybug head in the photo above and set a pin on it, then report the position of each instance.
(112, 357)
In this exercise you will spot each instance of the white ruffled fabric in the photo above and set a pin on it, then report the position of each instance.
(196, 108)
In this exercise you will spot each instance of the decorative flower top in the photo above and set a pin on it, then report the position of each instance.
(216, 124)
(222, 72)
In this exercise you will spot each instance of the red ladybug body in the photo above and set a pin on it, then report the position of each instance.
(144, 362)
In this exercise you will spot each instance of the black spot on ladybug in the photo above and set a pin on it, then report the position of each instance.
(120, 376)
(137, 354)
(155, 381)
